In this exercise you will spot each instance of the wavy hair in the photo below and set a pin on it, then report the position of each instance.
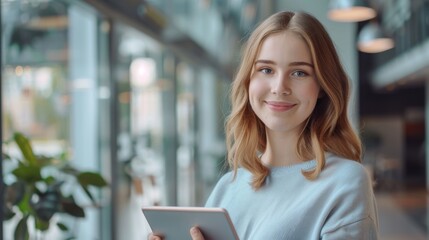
(328, 128)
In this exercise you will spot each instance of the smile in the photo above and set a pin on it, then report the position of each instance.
(279, 106)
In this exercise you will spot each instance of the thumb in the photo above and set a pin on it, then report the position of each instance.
(196, 234)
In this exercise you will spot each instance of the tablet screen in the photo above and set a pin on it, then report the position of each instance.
(174, 223)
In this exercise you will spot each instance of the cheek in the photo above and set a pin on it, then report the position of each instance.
(311, 93)
(252, 96)
(254, 89)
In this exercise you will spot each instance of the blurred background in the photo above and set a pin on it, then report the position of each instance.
(137, 91)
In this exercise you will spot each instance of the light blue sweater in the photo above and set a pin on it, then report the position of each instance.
(339, 204)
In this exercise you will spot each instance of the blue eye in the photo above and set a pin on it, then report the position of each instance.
(266, 70)
(299, 74)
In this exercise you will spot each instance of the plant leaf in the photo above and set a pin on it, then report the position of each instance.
(24, 205)
(89, 194)
(49, 202)
(30, 174)
(70, 170)
(5, 156)
(21, 230)
(15, 193)
(42, 225)
(8, 213)
(62, 226)
(43, 160)
(25, 147)
(49, 180)
(91, 178)
(70, 207)
(63, 157)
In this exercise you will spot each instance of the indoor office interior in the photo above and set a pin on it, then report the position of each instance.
(134, 93)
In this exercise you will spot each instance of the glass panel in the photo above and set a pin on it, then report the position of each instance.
(50, 93)
(186, 130)
(211, 143)
(105, 124)
(141, 170)
(35, 91)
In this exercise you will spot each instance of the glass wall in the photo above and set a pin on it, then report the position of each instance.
(146, 111)
(54, 91)
(161, 157)
(35, 71)
(138, 70)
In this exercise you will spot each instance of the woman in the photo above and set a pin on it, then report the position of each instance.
(294, 155)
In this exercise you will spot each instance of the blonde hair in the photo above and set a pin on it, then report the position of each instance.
(327, 129)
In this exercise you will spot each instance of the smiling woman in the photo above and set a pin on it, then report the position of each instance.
(290, 144)
(283, 88)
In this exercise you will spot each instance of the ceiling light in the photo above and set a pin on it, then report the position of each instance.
(372, 39)
(350, 10)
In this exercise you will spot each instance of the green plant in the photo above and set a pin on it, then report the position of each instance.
(37, 189)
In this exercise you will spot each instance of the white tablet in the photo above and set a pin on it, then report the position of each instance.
(174, 223)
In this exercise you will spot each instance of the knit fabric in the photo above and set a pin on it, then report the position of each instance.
(339, 204)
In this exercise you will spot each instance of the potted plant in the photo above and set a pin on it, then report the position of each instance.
(37, 192)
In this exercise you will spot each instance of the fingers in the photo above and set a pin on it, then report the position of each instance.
(194, 231)
(196, 234)
(153, 237)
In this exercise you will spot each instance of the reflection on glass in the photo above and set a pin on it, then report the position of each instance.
(38, 91)
(35, 102)
(145, 123)
(186, 136)
(141, 169)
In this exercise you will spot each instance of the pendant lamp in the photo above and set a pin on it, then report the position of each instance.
(350, 10)
(372, 39)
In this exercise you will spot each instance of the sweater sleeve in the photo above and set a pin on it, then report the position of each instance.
(364, 229)
(353, 212)
(218, 191)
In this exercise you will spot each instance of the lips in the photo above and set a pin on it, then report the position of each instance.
(280, 106)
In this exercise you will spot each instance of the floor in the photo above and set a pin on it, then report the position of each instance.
(403, 215)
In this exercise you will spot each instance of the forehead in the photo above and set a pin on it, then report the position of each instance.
(285, 45)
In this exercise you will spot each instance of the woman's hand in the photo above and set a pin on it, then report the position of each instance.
(196, 234)
(153, 237)
(194, 231)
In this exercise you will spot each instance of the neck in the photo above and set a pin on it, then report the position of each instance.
(281, 149)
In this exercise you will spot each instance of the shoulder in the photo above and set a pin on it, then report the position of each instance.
(351, 189)
(344, 168)
(230, 177)
(225, 179)
(346, 174)
(227, 185)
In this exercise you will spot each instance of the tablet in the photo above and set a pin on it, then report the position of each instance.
(174, 223)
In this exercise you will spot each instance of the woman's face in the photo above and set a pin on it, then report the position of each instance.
(283, 88)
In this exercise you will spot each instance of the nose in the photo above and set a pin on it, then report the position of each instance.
(280, 86)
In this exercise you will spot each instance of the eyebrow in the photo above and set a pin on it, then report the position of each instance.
(290, 64)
